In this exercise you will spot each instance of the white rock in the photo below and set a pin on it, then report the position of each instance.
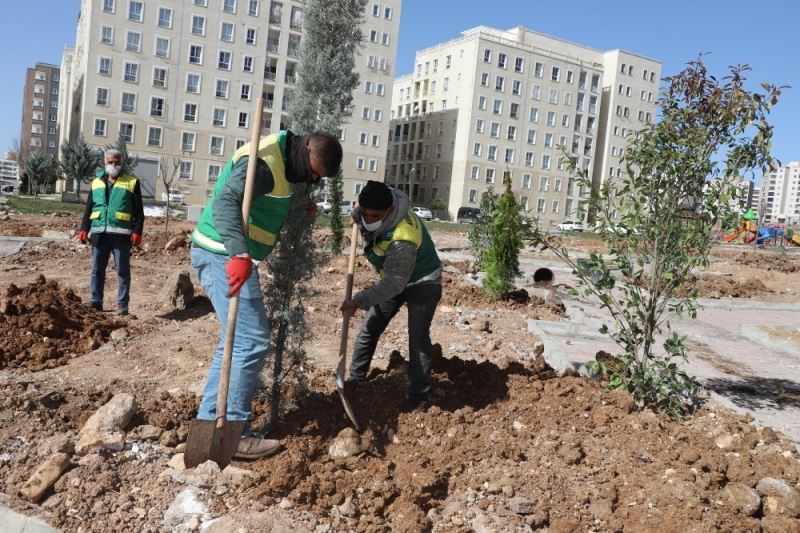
(104, 429)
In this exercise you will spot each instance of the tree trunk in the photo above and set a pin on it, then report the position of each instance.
(277, 369)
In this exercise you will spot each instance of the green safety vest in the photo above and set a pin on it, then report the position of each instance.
(412, 230)
(115, 214)
(268, 212)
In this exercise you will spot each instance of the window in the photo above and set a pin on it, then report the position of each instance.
(229, 6)
(154, 135)
(536, 92)
(196, 54)
(557, 186)
(376, 139)
(385, 40)
(531, 136)
(499, 83)
(555, 74)
(526, 181)
(193, 83)
(556, 205)
(494, 130)
(516, 87)
(187, 141)
(361, 163)
(219, 118)
(244, 119)
(126, 131)
(485, 79)
(252, 8)
(551, 118)
(479, 125)
(226, 32)
(190, 112)
(440, 131)
(373, 165)
(548, 140)
(239, 143)
(519, 63)
(538, 69)
(363, 137)
(514, 110)
(491, 154)
(164, 17)
(102, 97)
(133, 42)
(528, 159)
(108, 7)
(135, 11)
(567, 98)
(552, 96)
(387, 13)
(570, 76)
(247, 63)
(565, 120)
(534, 114)
(489, 175)
(107, 35)
(160, 77)
(502, 60)
(198, 25)
(213, 172)
(250, 36)
(100, 127)
(224, 60)
(509, 155)
(377, 115)
(497, 108)
(487, 56)
(162, 47)
(476, 149)
(202, 3)
(156, 106)
(380, 89)
(511, 133)
(473, 196)
(131, 72)
(474, 172)
(185, 172)
(546, 161)
(365, 112)
(438, 151)
(541, 205)
(244, 93)
(222, 87)
(217, 145)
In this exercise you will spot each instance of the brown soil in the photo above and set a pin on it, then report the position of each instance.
(715, 286)
(769, 262)
(43, 325)
(505, 446)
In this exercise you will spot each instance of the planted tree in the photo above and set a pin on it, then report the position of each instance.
(480, 233)
(321, 102)
(502, 257)
(657, 222)
(41, 170)
(168, 167)
(437, 204)
(79, 162)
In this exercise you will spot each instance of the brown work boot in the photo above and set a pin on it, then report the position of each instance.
(255, 448)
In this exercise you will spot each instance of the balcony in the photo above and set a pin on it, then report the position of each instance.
(272, 47)
(290, 79)
(275, 19)
(268, 104)
(269, 75)
(293, 51)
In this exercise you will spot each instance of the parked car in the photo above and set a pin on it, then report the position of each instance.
(570, 225)
(176, 196)
(423, 213)
(324, 206)
(346, 207)
(467, 215)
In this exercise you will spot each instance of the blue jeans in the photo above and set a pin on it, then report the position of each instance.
(102, 248)
(250, 345)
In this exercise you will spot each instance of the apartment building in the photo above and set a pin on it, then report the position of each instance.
(493, 102)
(9, 173)
(780, 195)
(39, 125)
(179, 78)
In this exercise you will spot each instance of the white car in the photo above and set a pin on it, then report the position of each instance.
(324, 206)
(570, 225)
(176, 196)
(423, 213)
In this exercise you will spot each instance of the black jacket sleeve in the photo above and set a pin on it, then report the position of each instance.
(87, 211)
(138, 208)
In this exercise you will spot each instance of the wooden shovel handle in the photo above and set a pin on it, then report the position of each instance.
(348, 288)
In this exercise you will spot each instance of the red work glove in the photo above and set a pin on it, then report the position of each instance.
(238, 270)
(136, 239)
(82, 236)
(311, 209)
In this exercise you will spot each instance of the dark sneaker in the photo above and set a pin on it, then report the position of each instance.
(255, 448)
(96, 306)
(122, 311)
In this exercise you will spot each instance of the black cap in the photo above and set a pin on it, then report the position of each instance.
(375, 195)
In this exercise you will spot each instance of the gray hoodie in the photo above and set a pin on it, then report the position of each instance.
(399, 259)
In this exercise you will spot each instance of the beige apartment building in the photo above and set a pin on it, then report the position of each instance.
(180, 77)
(495, 101)
(39, 126)
(779, 197)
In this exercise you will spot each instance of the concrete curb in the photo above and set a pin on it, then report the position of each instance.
(756, 334)
(14, 522)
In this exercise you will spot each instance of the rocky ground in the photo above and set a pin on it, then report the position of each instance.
(94, 413)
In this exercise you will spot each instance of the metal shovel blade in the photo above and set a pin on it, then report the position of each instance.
(207, 442)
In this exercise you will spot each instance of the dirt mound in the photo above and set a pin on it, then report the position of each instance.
(156, 243)
(508, 446)
(713, 286)
(769, 262)
(43, 325)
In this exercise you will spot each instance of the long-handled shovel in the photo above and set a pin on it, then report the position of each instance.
(348, 293)
(217, 439)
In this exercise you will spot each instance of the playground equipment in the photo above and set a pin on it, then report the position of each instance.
(749, 231)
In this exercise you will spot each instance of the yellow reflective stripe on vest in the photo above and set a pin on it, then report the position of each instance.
(125, 182)
(269, 150)
(409, 229)
(97, 183)
(94, 215)
(261, 235)
(122, 216)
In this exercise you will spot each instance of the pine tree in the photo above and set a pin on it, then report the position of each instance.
(79, 162)
(337, 227)
(502, 259)
(322, 102)
(480, 234)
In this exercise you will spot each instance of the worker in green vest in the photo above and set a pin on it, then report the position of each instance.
(113, 220)
(398, 245)
(226, 260)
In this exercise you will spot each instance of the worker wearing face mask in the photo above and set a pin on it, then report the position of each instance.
(113, 220)
(398, 245)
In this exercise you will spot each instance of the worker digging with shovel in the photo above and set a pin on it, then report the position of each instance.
(398, 245)
(227, 246)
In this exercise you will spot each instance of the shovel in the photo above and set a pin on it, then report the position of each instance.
(348, 293)
(216, 440)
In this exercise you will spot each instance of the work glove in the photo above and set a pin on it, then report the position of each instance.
(136, 239)
(311, 209)
(82, 236)
(238, 270)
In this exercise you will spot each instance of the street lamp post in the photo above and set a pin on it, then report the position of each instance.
(411, 183)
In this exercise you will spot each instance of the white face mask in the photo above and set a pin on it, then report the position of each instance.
(373, 226)
(113, 170)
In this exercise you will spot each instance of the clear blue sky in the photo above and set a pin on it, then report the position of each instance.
(762, 34)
